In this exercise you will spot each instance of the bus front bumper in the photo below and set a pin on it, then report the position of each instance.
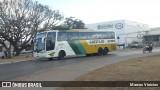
(44, 55)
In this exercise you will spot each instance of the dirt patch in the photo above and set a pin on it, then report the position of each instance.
(140, 69)
(21, 57)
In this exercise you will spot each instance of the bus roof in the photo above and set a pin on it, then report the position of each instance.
(79, 30)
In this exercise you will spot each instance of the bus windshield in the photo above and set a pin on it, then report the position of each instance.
(39, 45)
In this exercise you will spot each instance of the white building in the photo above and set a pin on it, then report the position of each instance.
(127, 31)
(153, 36)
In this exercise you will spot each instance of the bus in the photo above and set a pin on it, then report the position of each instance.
(54, 43)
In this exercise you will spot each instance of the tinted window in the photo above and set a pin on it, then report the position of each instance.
(96, 35)
(50, 42)
(82, 35)
(62, 36)
(91, 35)
(109, 35)
(73, 36)
(112, 35)
(100, 35)
(105, 34)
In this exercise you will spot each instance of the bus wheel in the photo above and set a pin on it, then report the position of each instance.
(88, 55)
(2, 57)
(100, 51)
(105, 51)
(61, 55)
(50, 59)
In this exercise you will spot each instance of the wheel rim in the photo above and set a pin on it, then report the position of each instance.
(61, 55)
(105, 51)
(100, 52)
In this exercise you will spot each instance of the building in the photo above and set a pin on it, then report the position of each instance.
(126, 31)
(152, 36)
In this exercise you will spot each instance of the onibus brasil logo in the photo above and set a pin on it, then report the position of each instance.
(20, 84)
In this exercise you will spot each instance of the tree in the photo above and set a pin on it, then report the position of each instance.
(72, 23)
(60, 27)
(78, 24)
(21, 19)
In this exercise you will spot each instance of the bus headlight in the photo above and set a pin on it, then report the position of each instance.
(51, 54)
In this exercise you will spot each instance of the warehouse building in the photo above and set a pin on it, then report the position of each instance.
(152, 36)
(126, 31)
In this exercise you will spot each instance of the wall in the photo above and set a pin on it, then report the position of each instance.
(118, 26)
(136, 36)
(153, 31)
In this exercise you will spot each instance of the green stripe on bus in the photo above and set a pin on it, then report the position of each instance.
(82, 50)
(77, 47)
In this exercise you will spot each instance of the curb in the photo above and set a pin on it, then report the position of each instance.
(13, 62)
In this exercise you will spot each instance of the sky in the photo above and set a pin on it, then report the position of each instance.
(94, 11)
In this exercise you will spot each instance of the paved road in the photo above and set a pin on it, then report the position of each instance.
(13, 70)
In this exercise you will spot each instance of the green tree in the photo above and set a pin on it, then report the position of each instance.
(70, 23)
(60, 27)
(73, 23)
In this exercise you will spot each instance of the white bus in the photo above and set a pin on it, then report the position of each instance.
(54, 43)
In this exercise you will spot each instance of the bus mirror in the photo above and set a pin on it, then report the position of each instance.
(43, 39)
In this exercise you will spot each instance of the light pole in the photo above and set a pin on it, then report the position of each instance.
(118, 40)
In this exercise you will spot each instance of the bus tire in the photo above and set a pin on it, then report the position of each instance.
(105, 51)
(50, 59)
(88, 55)
(100, 51)
(2, 57)
(61, 55)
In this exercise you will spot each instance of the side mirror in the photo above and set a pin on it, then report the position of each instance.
(43, 39)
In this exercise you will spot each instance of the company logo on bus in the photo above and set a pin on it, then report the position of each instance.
(96, 41)
(119, 26)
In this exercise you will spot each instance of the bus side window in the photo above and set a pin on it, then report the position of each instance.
(69, 36)
(73, 36)
(82, 35)
(100, 35)
(112, 35)
(95, 35)
(62, 36)
(91, 35)
(50, 42)
(105, 35)
(109, 35)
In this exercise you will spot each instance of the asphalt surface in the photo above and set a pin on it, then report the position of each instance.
(13, 70)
